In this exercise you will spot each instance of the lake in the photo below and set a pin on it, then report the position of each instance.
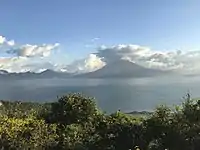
(111, 94)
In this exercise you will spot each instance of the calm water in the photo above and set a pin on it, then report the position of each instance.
(111, 95)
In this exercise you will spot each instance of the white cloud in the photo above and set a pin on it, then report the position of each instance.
(34, 50)
(24, 64)
(11, 43)
(21, 58)
(90, 63)
(4, 41)
(93, 62)
(12, 64)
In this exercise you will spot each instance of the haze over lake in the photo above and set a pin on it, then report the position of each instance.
(111, 94)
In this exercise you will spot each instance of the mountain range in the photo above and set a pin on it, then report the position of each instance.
(30, 75)
(117, 69)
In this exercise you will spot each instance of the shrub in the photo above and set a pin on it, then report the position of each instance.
(28, 133)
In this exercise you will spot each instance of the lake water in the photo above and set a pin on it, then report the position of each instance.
(111, 94)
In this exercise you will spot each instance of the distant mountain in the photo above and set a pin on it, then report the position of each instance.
(3, 72)
(140, 113)
(50, 73)
(32, 75)
(123, 69)
(117, 69)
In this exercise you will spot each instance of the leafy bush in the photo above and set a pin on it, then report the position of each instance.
(28, 133)
(73, 108)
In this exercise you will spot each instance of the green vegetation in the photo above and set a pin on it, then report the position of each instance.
(75, 123)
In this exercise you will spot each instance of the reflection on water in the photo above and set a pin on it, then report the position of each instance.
(112, 94)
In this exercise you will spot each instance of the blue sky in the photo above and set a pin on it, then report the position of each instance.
(159, 24)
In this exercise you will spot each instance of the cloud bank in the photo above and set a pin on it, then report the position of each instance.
(186, 62)
(27, 57)
(30, 57)
(34, 50)
(91, 63)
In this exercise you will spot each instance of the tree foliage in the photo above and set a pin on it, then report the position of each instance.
(75, 123)
(28, 133)
(73, 108)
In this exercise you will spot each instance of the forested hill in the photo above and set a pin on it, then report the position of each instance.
(74, 122)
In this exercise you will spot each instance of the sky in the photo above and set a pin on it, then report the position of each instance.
(65, 34)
